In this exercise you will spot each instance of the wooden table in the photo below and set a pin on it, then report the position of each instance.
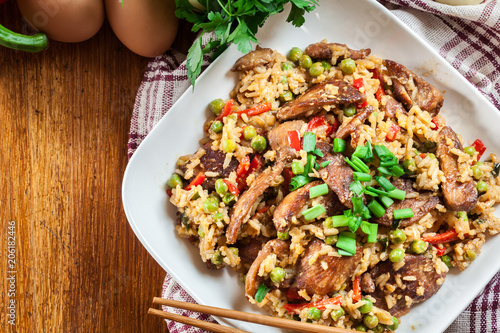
(64, 119)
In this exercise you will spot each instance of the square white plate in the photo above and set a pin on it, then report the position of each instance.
(359, 24)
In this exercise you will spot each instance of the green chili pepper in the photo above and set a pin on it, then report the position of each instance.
(36, 43)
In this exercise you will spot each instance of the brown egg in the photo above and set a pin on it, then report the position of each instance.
(146, 27)
(64, 20)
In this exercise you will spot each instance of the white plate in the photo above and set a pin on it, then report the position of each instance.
(359, 24)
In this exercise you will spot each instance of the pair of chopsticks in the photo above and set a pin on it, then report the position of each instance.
(238, 315)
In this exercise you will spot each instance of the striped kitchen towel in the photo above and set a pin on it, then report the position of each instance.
(468, 37)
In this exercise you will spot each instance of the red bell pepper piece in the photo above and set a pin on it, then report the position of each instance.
(226, 110)
(393, 131)
(444, 237)
(321, 305)
(319, 122)
(362, 105)
(256, 110)
(255, 165)
(422, 155)
(243, 167)
(233, 189)
(198, 180)
(294, 139)
(479, 147)
(169, 192)
(440, 250)
(435, 122)
(358, 83)
(356, 289)
(380, 91)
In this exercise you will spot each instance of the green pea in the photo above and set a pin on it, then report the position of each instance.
(228, 146)
(316, 69)
(284, 79)
(431, 156)
(360, 328)
(220, 186)
(234, 251)
(217, 258)
(477, 173)
(216, 106)
(313, 313)
(297, 168)
(447, 260)
(370, 321)
(418, 246)
(410, 166)
(211, 205)
(277, 274)
(249, 132)
(330, 240)
(349, 110)
(305, 61)
(201, 232)
(470, 255)
(481, 186)
(395, 324)
(326, 65)
(283, 235)
(378, 329)
(217, 217)
(337, 313)
(286, 66)
(367, 307)
(229, 199)
(396, 255)
(470, 150)
(259, 143)
(216, 126)
(174, 180)
(348, 66)
(328, 223)
(286, 96)
(295, 54)
(398, 236)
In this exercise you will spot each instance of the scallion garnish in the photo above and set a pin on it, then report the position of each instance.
(339, 145)
(356, 188)
(374, 190)
(397, 194)
(261, 293)
(369, 154)
(372, 236)
(311, 161)
(360, 164)
(340, 221)
(313, 212)
(376, 208)
(360, 152)
(361, 176)
(316, 191)
(354, 166)
(365, 227)
(365, 214)
(385, 183)
(357, 205)
(299, 181)
(384, 171)
(397, 170)
(389, 162)
(386, 201)
(354, 223)
(383, 152)
(309, 142)
(347, 242)
(345, 253)
(325, 164)
(318, 152)
(404, 213)
(370, 193)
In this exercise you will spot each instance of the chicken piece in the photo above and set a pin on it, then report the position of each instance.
(329, 92)
(253, 280)
(410, 89)
(418, 276)
(323, 50)
(332, 204)
(278, 136)
(367, 284)
(259, 57)
(457, 196)
(420, 206)
(241, 210)
(391, 108)
(248, 251)
(344, 131)
(315, 279)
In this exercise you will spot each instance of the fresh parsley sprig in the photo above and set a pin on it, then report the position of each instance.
(232, 22)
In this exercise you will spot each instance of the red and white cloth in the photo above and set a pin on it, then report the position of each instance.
(468, 37)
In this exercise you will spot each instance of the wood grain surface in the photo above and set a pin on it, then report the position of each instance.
(64, 120)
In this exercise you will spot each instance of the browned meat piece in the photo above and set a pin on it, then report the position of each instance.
(457, 196)
(367, 284)
(330, 92)
(357, 120)
(242, 207)
(252, 281)
(420, 206)
(315, 279)
(338, 174)
(391, 107)
(332, 204)
(291, 205)
(259, 57)
(248, 251)
(278, 136)
(410, 89)
(326, 50)
(422, 283)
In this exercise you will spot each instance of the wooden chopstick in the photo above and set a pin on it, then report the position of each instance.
(250, 317)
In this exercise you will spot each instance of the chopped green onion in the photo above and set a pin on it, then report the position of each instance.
(357, 205)
(346, 243)
(261, 293)
(366, 213)
(345, 253)
(365, 227)
(316, 191)
(385, 183)
(386, 201)
(357, 188)
(318, 152)
(311, 160)
(384, 171)
(354, 223)
(370, 193)
(309, 142)
(348, 234)
(374, 190)
(372, 236)
(360, 152)
(369, 154)
(358, 162)
(383, 152)
(376, 208)
(362, 177)
(325, 164)
(316, 166)
(354, 166)
(299, 181)
(340, 221)
(397, 194)
(389, 161)
(339, 145)
(397, 170)
(314, 212)
(404, 213)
